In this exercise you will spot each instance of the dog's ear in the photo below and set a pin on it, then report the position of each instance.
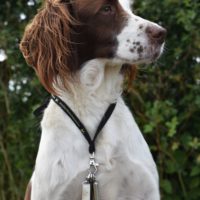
(46, 44)
(130, 73)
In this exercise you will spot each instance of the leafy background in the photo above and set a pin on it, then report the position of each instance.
(165, 99)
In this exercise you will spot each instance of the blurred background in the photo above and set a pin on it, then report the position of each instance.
(165, 99)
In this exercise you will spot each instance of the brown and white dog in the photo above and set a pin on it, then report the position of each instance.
(78, 48)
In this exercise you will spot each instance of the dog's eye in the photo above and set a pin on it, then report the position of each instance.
(107, 9)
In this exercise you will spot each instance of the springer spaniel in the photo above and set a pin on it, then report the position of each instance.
(78, 48)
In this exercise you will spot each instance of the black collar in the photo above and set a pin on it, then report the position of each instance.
(80, 125)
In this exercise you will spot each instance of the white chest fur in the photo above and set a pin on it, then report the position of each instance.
(126, 171)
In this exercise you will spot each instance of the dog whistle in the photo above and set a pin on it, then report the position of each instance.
(90, 185)
(95, 189)
(86, 190)
(90, 190)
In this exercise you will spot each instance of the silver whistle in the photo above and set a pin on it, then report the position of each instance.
(90, 185)
(86, 190)
(96, 192)
(90, 190)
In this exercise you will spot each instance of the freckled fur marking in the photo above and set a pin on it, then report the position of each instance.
(135, 32)
(140, 26)
(140, 49)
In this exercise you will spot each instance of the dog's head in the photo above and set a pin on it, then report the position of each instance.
(65, 34)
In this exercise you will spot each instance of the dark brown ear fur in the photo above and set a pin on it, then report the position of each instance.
(130, 73)
(46, 44)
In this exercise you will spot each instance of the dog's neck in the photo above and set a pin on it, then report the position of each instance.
(99, 84)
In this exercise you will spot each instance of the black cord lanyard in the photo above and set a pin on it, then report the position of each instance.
(80, 125)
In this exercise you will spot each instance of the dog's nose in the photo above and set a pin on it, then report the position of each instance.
(156, 34)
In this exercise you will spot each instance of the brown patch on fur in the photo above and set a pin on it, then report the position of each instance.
(63, 36)
(28, 192)
(99, 30)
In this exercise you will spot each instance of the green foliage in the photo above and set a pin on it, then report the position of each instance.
(19, 94)
(168, 95)
(165, 100)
